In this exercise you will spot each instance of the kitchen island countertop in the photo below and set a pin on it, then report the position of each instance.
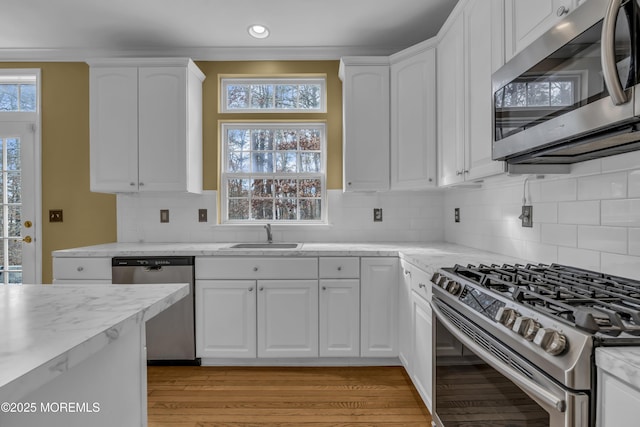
(47, 330)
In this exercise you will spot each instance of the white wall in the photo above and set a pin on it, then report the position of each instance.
(407, 217)
(589, 218)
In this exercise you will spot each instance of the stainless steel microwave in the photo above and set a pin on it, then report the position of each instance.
(572, 95)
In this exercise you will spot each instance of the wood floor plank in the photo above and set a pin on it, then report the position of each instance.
(282, 396)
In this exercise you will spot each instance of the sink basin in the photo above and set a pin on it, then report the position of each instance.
(265, 246)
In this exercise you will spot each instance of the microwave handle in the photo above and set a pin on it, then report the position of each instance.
(608, 55)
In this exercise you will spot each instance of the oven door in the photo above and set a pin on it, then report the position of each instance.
(480, 381)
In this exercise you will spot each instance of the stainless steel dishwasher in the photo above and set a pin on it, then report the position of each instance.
(170, 334)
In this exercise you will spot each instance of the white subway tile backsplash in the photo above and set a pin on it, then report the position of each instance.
(545, 213)
(607, 186)
(634, 241)
(559, 234)
(579, 212)
(634, 183)
(580, 258)
(605, 239)
(621, 213)
(558, 190)
(621, 265)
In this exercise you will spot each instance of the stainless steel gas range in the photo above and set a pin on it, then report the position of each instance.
(523, 342)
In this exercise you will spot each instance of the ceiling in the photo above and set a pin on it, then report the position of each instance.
(215, 29)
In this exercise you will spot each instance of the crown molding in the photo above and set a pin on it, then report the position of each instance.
(197, 53)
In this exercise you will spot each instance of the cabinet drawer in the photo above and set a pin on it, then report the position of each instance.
(421, 283)
(82, 268)
(256, 268)
(339, 268)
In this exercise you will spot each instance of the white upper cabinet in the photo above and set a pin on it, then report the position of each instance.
(526, 20)
(145, 125)
(413, 118)
(450, 60)
(468, 52)
(365, 104)
(484, 54)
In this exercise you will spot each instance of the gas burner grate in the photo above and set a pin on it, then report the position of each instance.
(595, 302)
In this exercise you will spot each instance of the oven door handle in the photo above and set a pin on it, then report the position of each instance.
(534, 389)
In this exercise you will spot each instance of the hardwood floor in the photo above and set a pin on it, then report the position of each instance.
(188, 396)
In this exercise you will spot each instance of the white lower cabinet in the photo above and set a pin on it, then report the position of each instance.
(339, 317)
(422, 349)
(379, 307)
(287, 318)
(263, 318)
(226, 318)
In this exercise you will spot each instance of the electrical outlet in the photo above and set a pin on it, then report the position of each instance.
(377, 214)
(527, 216)
(164, 215)
(55, 215)
(202, 215)
(456, 214)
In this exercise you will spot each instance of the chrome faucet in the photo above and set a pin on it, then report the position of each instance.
(269, 235)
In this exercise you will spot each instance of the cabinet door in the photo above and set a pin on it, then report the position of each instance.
(163, 128)
(339, 317)
(422, 372)
(413, 122)
(366, 128)
(379, 307)
(526, 20)
(404, 315)
(114, 129)
(451, 93)
(483, 49)
(287, 318)
(226, 318)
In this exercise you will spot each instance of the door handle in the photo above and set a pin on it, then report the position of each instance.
(27, 239)
(28, 224)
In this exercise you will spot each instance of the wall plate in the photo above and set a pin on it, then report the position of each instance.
(527, 216)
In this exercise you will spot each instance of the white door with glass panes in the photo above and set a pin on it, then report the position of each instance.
(19, 188)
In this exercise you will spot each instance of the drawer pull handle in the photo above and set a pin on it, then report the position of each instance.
(340, 268)
(261, 288)
(422, 285)
(251, 289)
(324, 288)
(80, 268)
(255, 268)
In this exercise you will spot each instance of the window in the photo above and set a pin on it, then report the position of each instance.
(273, 95)
(273, 172)
(17, 93)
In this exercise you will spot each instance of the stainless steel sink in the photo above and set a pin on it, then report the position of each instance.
(265, 246)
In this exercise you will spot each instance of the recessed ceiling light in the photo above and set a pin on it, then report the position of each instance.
(258, 31)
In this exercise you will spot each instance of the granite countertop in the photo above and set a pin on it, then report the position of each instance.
(621, 362)
(429, 256)
(47, 330)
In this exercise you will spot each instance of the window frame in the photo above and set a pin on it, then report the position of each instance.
(226, 81)
(225, 175)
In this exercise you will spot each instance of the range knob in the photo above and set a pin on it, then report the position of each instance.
(435, 278)
(527, 327)
(453, 287)
(507, 316)
(551, 341)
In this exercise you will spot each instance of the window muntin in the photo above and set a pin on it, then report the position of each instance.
(273, 172)
(18, 94)
(273, 95)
